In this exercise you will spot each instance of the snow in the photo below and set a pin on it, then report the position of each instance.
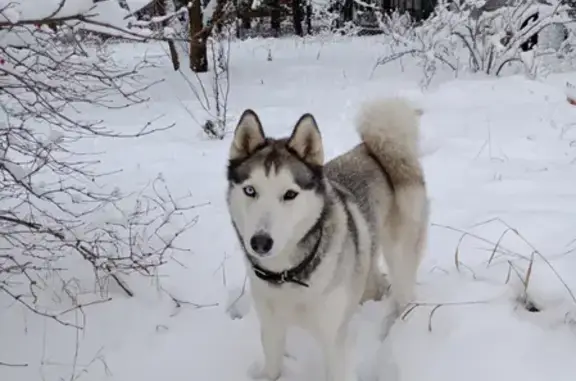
(570, 91)
(15, 170)
(496, 152)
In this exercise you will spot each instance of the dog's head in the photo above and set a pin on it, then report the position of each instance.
(276, 186)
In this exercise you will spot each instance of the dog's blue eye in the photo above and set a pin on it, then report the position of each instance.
(249, 191)
(289, 195)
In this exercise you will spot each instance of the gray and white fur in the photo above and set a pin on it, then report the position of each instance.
(313, 232)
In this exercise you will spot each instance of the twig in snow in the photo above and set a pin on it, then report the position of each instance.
(84, 305)
(180, 303)
(14, 365)
(436, 306)
(537, 252)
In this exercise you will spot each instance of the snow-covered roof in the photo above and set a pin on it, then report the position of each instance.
(136, 5)
(17, 10)
(492, 5)
(106, 16)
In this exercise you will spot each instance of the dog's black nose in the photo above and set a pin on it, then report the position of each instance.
(261, 243)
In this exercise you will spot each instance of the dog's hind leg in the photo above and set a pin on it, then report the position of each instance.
(406, 249)
(390, 132)
(377, 284)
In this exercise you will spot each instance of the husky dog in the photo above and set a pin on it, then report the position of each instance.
(313, 232)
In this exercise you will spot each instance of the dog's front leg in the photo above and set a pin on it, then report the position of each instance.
(335, 358)
(338, 366)
(333, 337)
(273, 337)
(332, 330)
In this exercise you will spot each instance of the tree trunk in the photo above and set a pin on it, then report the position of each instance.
(246, 24)
(275, 17)
(348, 10)
(297, 17)
(244, 9)
(309, 17)
(218, 16)
(159, 9)
(198, 37)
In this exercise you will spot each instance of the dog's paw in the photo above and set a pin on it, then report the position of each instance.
(290, 356)
(257, 371)
(386, 325)
(238, 304)
(353, 377)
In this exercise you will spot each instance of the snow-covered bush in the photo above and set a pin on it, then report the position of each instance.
(429, 44)
(59, 219)
(479, 36)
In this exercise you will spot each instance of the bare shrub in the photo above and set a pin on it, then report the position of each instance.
(210, 89)
(59, 220)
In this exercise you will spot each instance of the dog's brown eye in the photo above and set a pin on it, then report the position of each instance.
(249, 191)
(290, 195)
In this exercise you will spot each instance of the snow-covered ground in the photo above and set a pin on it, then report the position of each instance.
(496, 152)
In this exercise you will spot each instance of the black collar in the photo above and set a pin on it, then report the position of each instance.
(291, 275)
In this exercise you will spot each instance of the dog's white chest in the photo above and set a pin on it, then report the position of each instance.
(294, 307)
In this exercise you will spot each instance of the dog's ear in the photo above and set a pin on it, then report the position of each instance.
(306, 140)
(248, 136)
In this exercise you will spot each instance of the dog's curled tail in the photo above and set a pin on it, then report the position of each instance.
(389, 128)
